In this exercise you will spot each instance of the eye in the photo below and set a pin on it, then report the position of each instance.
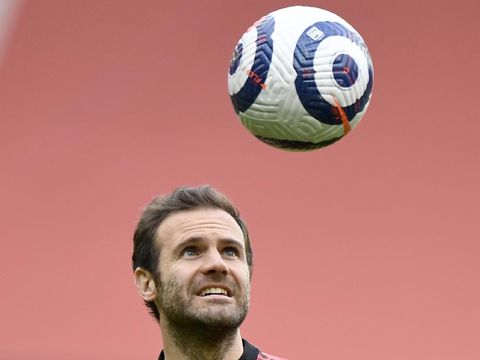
(230, 252)
(190, 251)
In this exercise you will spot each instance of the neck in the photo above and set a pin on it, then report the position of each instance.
(200, 342)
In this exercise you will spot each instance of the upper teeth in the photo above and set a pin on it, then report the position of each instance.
(214, 291)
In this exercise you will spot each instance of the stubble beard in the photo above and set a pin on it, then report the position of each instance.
(192, 322)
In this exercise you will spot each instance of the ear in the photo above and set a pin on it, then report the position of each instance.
(145, 284)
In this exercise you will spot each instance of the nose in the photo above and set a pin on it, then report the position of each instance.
(214, 263)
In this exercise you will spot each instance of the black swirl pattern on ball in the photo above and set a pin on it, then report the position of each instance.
(246, 96)
(345, 70)
(294, 145)
(305, 84)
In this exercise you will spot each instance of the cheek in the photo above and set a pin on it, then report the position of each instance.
(184, 274)
(242, 274)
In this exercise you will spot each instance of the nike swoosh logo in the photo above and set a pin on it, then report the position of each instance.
(343, 117)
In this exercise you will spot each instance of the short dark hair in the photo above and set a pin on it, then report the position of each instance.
(146, 254)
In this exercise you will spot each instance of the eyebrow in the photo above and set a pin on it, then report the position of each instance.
(197, 239)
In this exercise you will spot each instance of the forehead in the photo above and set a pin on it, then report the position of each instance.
(200, 222)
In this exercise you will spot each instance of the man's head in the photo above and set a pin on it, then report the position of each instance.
(189, 245)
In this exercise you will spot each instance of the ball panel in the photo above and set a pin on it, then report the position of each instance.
(315, 52)
(237, 75)
(297, 127)
(257, 74)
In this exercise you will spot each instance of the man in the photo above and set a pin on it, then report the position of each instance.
(193, 264)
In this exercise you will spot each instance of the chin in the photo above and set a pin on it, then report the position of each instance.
(220, 318)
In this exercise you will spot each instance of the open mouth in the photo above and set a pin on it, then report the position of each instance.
(214, 291)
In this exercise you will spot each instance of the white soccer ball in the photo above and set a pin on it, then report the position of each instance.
(300, 78)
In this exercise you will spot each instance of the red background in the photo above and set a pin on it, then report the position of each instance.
(365, 250)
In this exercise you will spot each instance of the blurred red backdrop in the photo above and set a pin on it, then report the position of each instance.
(367, 249)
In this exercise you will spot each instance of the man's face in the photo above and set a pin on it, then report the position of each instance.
(204, 275)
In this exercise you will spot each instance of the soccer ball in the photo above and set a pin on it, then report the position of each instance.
(300, 78)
